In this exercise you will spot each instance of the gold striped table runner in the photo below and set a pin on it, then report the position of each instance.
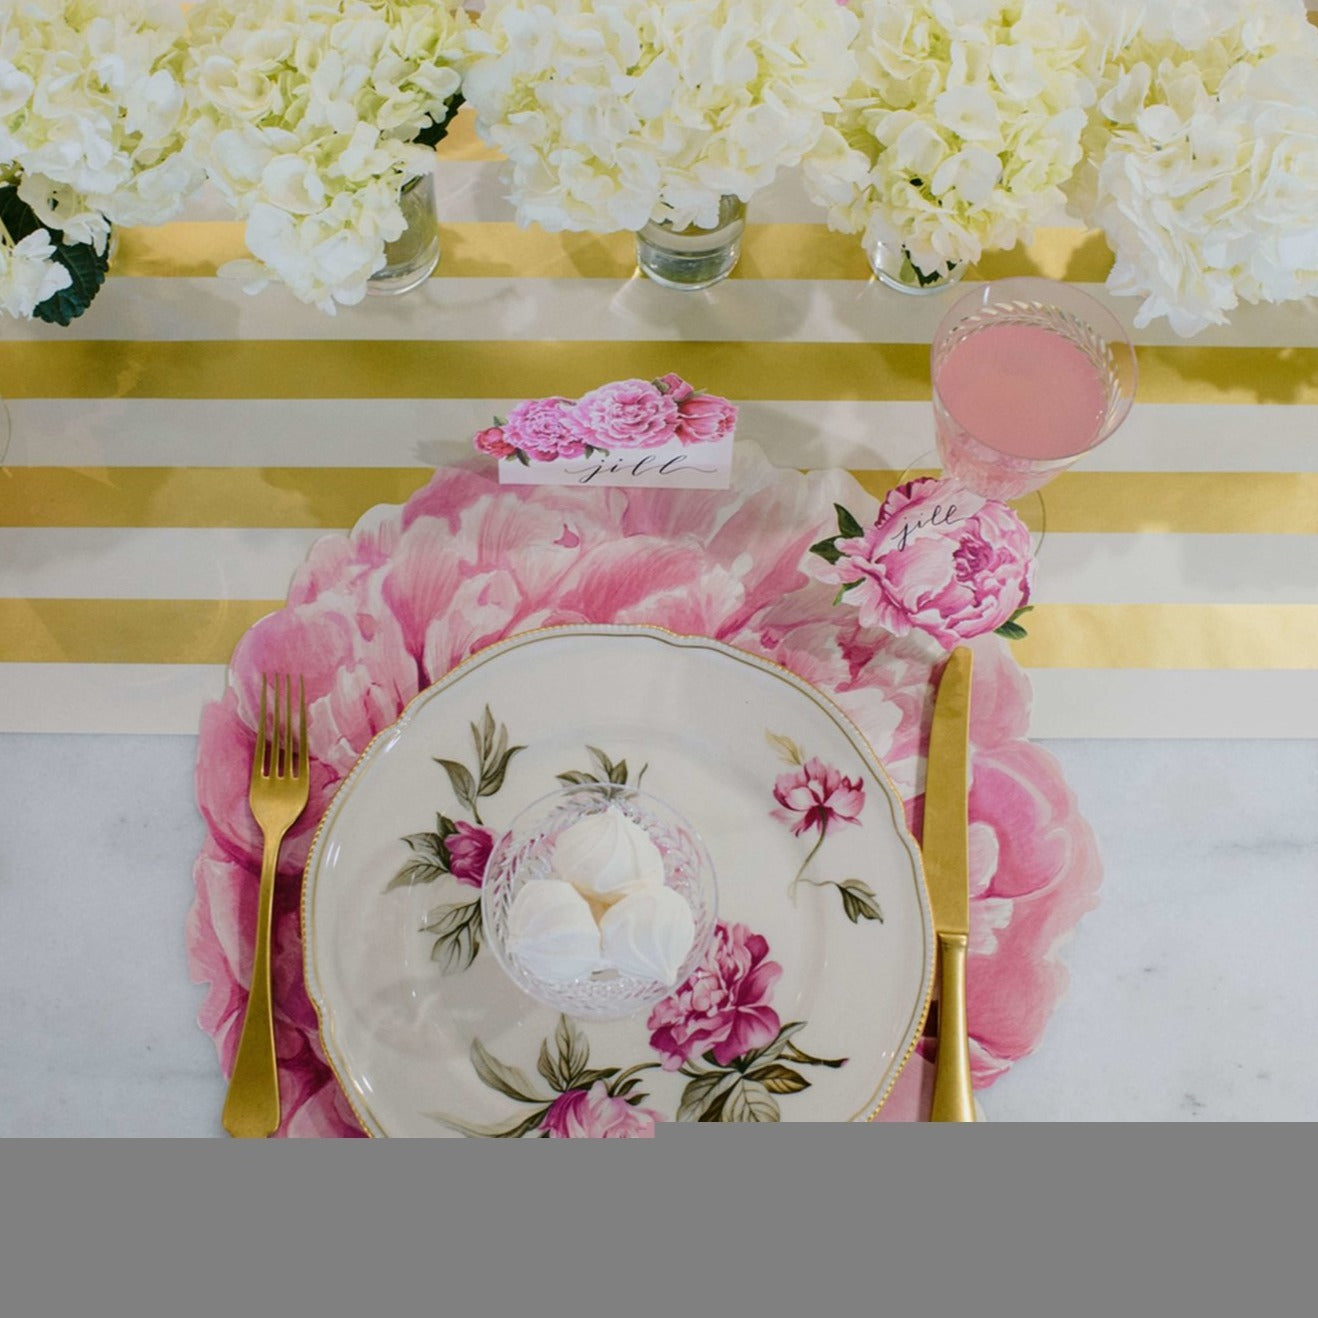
(177, 449)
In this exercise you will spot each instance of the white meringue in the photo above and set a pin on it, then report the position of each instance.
(648, 933)
(551, 931)
(606, 852)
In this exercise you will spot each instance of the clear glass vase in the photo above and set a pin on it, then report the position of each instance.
(693, 258)
(894, 268)
(409, 260)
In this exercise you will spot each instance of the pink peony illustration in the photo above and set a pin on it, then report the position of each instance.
(939, 559)
(595, 1114)
(724, 1006)
(468, 852)
(816, 794)
(544, 429)
(387, 609)
(675, 386)
(494, 442)
(628, 414)
(705, 419)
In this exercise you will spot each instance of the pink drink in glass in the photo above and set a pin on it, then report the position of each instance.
(1028, 375)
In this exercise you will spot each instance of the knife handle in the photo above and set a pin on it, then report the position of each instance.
(953, 1099)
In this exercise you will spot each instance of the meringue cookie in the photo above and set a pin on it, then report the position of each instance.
(606, 852)
(648, 933)
(551, 931)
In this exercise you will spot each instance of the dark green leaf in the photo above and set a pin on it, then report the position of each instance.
(457, 931)
(545, 1065)
(522, 457)
(573, 1051)
(748, 1100)
(1011, 631)
(827, 550)
(429, 846)
(592, 1074)
(493, 781)
(437, 129)
(85, 265)
(576, 778)
(619, 774)
(494, 1074)
(602, 761)
(859, 901)
(779, 1079)
(704, 1092)
(714, 1110)
(794, 1054)
(444, 826)
(848, 527)
(464, 785)
(415, 871)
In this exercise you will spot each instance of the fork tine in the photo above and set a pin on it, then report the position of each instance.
(302, 729)
(277, 745)
(258, 763)
(288, 727)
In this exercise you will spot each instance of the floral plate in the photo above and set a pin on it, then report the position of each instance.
(815, 989)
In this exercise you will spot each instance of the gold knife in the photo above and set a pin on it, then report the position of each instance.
(946, 873)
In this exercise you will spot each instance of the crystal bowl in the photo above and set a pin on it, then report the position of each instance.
(525, 855)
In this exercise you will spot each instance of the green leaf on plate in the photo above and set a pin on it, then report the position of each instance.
(508, 1080)
(458, 931)
(573, 1051)
(779, 1079)
(703, 1093)
(859, 901)
(748, 1100)
(464, 785)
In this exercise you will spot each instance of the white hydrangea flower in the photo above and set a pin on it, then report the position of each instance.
(29, 273)
(91, 113)
(303, 114)
(1202, 155)
(962, 128)
(616, 112)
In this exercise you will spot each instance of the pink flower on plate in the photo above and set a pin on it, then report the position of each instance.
(939, 559)
(816, 794)
(705, 419)
(723, 1006)
(594, 1113)
(628, 414)
(494, 442)
(544, 429)
(469, 852)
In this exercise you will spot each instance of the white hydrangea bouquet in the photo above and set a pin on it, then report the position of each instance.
(962, 129)
(91, 117)
(309, 117)
(616, 113)
(1201, 154)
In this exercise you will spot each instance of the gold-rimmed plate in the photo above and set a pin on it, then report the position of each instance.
(819, 980)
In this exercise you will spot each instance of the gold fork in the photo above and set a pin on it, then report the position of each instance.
(278, 795)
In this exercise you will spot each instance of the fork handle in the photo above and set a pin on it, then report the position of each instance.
(251, 1108)
(953, 1099)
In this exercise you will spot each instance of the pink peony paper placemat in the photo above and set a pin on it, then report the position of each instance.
(377, 615)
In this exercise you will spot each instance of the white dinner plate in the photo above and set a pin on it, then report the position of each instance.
(430, 1040)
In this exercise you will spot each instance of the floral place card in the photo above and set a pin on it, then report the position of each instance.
(641, 433)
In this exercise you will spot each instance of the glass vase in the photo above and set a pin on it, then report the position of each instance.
(693, 258)
(894, 268)
(410, 258)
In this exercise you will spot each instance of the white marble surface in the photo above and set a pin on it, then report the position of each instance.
(1194, 987)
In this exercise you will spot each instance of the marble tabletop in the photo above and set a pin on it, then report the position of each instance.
(1193, 989)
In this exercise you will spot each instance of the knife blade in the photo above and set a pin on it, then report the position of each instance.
(946, 871)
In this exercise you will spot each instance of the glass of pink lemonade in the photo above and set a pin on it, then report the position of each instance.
(1028, 375)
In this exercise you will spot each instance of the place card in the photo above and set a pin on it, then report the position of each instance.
(651, 434)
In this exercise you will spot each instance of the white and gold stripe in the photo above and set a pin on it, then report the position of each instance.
(176, 451)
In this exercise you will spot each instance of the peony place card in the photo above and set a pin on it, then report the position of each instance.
(648, 434)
